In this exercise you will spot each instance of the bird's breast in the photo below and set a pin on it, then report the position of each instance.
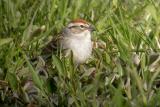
(81, 49)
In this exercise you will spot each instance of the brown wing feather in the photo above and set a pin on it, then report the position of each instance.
(52, 46)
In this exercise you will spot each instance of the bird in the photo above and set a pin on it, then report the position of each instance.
(75, 37)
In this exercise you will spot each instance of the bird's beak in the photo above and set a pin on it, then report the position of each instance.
(92, 28)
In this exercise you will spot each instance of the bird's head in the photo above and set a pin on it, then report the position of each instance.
(79, 28)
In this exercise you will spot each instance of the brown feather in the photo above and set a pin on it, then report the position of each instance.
(79, 21)
(52, 46)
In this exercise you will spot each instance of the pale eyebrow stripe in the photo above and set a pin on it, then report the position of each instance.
(77, 24)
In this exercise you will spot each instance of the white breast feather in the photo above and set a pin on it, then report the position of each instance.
(81, 48)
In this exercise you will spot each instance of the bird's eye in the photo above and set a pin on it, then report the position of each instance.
(82, 26)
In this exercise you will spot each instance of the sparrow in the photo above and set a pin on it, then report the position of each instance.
(75, 37)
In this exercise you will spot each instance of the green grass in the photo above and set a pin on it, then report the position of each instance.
(121, 74)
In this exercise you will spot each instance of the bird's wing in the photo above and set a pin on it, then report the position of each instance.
(53, 47)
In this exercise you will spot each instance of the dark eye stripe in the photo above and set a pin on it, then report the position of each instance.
(81, 26)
